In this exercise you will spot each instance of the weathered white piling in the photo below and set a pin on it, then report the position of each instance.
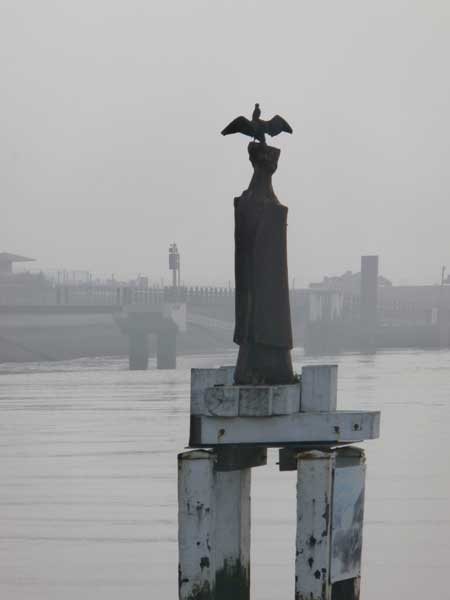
(330, 502)
(315, 492)
(196, 525)
(213, 529)
(313, 541)
(347, 518)
(232, 552)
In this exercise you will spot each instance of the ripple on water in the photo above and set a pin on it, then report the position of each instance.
(88, 469)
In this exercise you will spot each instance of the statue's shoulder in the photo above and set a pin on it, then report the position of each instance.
(238, 201)
(275, 208)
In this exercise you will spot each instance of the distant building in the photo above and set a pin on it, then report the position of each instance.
(348, 282)
(7, 260)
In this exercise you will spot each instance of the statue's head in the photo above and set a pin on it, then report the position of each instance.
(263, 157)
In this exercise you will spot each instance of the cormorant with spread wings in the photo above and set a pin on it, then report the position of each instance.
(257, 128)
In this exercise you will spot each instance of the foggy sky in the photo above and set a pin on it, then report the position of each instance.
(110, 119)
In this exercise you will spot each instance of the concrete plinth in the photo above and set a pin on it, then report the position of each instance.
(300, 414)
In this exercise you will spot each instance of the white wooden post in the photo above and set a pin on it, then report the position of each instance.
(313, 542)
(196, 525)
(346, 533)
(233, 534)
(213, 529)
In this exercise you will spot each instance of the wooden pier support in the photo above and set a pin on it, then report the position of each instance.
(214, 529)
(313, 542)
(330, 509)
(232, 560)
(196, 525)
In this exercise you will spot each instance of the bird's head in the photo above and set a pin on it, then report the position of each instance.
(256, 112)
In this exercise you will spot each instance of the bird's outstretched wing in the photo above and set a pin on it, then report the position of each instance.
(276, 125)
(240, 125)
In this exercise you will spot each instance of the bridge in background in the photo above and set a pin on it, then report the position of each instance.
(136, 312)
(324, 319)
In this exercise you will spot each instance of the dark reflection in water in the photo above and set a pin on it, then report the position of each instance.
(88, 479)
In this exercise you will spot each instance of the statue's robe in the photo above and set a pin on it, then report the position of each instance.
(262, 287)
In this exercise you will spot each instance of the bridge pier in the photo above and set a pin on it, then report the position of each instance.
(138, 349)
(166, 348)
(164, 321)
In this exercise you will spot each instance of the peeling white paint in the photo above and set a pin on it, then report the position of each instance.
(196, 522)
(313, 540)
(213, 524)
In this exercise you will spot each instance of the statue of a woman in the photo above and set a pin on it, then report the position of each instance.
(263, 320)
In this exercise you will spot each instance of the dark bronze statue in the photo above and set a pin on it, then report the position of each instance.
(263, 321)
(257, 128)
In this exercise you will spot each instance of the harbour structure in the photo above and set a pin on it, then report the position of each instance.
(238, 412)
(7, 261)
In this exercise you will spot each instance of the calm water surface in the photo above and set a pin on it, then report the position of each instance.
(88, 502)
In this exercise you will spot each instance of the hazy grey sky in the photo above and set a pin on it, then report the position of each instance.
(111, 112)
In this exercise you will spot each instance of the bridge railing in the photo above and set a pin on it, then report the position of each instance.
(392, 309)
(109, 295)
(209, 295)
(26, 295)
(88, 293)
